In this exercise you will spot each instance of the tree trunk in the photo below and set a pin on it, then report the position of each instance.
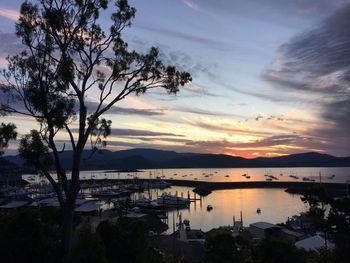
(67, 229)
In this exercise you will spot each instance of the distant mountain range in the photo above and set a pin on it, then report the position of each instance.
(151, 158)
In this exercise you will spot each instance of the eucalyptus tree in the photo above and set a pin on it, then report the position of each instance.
(67, 55)
(7, 133)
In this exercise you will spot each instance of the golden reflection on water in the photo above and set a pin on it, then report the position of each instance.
(275, 204)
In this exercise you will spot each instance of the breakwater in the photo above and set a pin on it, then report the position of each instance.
(334, 189)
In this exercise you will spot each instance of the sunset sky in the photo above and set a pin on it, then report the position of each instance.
(270, 77)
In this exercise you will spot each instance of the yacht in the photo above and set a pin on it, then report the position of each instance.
(169, 199)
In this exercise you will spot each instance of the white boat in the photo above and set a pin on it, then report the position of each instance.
(169, 199)
(146, 203)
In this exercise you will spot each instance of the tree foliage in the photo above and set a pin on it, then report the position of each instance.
(29, 235)
(335, 223)
(7, 133)
(68, 58)
(67, 55)
(127, 241)
(275, 250)
(220, 247)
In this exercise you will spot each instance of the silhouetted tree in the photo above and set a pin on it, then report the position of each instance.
(67, 55)
(275, 250)
(127, 241)
(29, 235)
(220, 247)
(335, 224)
(89, 247)
(7, 133)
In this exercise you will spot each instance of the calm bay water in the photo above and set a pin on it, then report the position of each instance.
(276, 206)
(342, 174)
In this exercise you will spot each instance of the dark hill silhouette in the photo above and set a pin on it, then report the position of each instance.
(209, 161)
(306, 159)
(151, 158)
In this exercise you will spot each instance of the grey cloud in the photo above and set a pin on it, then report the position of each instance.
(137, 133)
(308, 143)
(133, 132)
(275, 98)
(281, 12)
(266, 142)
(204, 112)
(317, 64)
(91, 106)
(226, 128)
(199, 40)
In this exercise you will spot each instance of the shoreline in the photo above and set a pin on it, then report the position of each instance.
(334, 189)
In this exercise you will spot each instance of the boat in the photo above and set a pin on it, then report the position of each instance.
(268, 179)
(248, 177)
(258, 210)
(331, 177)
(209, 208)
(111, 193)
(227, 175)
(244, 174)
(169, 199)
(144, 202)
(293, 176)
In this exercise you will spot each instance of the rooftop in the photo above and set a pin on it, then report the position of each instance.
(263, 225)
(313, 243)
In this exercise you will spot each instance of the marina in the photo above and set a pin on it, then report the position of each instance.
(289, 174)
(207, 197)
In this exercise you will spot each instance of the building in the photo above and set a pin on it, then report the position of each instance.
(260, 230)
(314, 243)
(292, 235)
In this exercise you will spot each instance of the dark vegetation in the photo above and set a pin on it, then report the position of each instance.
(35, 232)
(222, 247)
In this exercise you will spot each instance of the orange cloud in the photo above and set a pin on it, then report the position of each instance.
(9, 13)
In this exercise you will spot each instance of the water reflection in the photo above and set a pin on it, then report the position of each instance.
(275, 204)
